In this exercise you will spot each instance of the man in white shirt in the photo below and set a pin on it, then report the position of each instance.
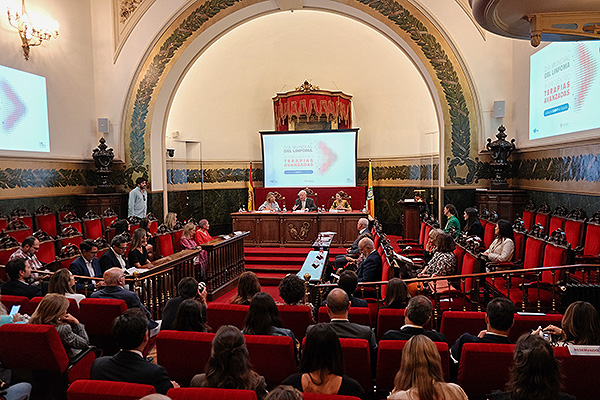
(304, 203)
(138, 197)
(87, 265)
(115, 256)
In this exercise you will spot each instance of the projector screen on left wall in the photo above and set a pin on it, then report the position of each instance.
(23, 111)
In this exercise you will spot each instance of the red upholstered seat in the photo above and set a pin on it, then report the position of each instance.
(528, 217)
(3, 223)
(98, 315)
(210, 394)
(357, 361)
(574, 231)
(218, 314)
(46, 223)
(422, 236)
(107, 220)
(34, 302)
(580, 374)
(358, 315)
(459, 252)
(455, 323)
(388, 362)
(183, 354)
(484, 368)
(591, 246)
(321, 396)
(272, 357)
(19, 234)
(92, 228)
(296, 318)
(9, 301)
(556, 222)
(164, 244)
(544, 220)
(489, 234)
(389, 318)
(85, 389)
(525, 323)
(520, 239)
(47, 252)
(177, 238)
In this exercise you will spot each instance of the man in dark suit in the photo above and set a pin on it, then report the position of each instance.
(128, 365)
(369, 270)
(304, 203)
(352, 252)
(418, 312)
(348, 282)
(114, 279)
(499, 318)
(187, 288)
(115, 257)
(18, 271)
(87, 264)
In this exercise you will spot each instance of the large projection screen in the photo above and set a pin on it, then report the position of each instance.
(309, 158)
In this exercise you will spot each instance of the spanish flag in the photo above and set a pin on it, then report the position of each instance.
(370, 197)
(250, 192)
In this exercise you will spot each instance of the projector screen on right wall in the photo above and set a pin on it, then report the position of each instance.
(564, 89)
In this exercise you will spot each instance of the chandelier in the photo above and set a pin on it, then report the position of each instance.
(30, 35)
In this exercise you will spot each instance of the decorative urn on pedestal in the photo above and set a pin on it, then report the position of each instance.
(500, 150)
(103, 158)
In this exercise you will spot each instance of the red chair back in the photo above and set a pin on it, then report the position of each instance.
(19, 234)
(47, 252)
(164, 244)
(470, 265)
(210, 394)
(422, 236)
(556, 222)
(580, 374)
(183, 354)
(385, 273)
(358, 315)
(98, 315)
(73, 307)
(526, 323)
(46, 223)
(528, 217)
(106, 221)
(3, 223)
(591, 247)
(388, 362)
(84, 389)
(6, 253)
(218, 314)
(554, 255)
(520, 239)
(534, 250)
(296, 318)
(573, 231)
(459, 252)
(92, 228)
(474, 368)
(9, 301)
(272, 357)
(489, 234)
(543, 219)
(357, 361)
(389, 318)
(177, 239)
(455, 323)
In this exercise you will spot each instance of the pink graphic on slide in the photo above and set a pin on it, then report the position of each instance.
(584, 76)
(12, 108)
(330, 158)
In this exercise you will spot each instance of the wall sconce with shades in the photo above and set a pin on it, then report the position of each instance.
(30, 35)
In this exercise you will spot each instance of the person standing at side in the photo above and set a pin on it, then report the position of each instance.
(138, 197)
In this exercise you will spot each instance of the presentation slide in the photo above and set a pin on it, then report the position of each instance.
(300, 159)
(564, 89)
(23, 111)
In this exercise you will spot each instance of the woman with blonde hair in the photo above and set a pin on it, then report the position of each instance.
(52, 310)
(270, 204)
(187, 237)
(420, 376)
(63, 282)
(171, 220)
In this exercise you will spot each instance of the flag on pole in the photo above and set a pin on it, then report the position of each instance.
(370, 197)
(250, 192)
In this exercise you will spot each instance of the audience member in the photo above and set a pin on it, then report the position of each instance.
(187, 288)
(369, 269)
(248, 286)
(353, 252)
(321, 367)
(5, 318)
(19, 271)
(348, 282)
(137, 205)
(291, 290)
(52, 310)
(396, 295)
(229, 366)
(187, 236)
(442, 263)
(338, 305)
(145, 225)
(171, 220)
(19, 391)
(202, 236)
(340, 203)
(63, 282)
(420, 376)
(453, 224)
(473, 226)
(115, 256)
(138, 254)
(114, 279)
(418, 312)
(284, 392)
(580, 325)
(503, 246)
(431, 245)
(304, 203)
(87, 264)
(155, 396)
(263, 318)
(535, 374)
(499, 318)
(121, 226)
(270, 204)
(189, 317)
(29, 247)
(129, 365)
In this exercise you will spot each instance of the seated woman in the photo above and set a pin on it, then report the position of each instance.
(396, 295)
(473, 226)
(189, 317)
(420, 376)
(270, 204)
(248, 286)
(171, 220)
(5, 318)
(263, 318)
(202, 236)
(52, 310)
(145, 225)
(452, 224)
(291, 290)
(535, 373)
(138, 255)
(321, 367)
(442, 263)
(187, 237)
(63, 282)
(503, 246)
(580, 325)
(340, 204)
(229, 365)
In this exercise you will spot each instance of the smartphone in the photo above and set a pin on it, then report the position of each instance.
(201, 286)
(14, 310)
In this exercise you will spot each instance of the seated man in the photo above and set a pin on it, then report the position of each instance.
(128, 365)
(304, 203)
(114, 279)
(115, 257)
(348, 282)
(353, 252)
(188, 289)
(27, 251)
(87, 264)
(417, 313)
(499, 318)
(369, 269)
(18, 271)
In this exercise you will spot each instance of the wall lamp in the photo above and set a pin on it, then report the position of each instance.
(30, 35)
